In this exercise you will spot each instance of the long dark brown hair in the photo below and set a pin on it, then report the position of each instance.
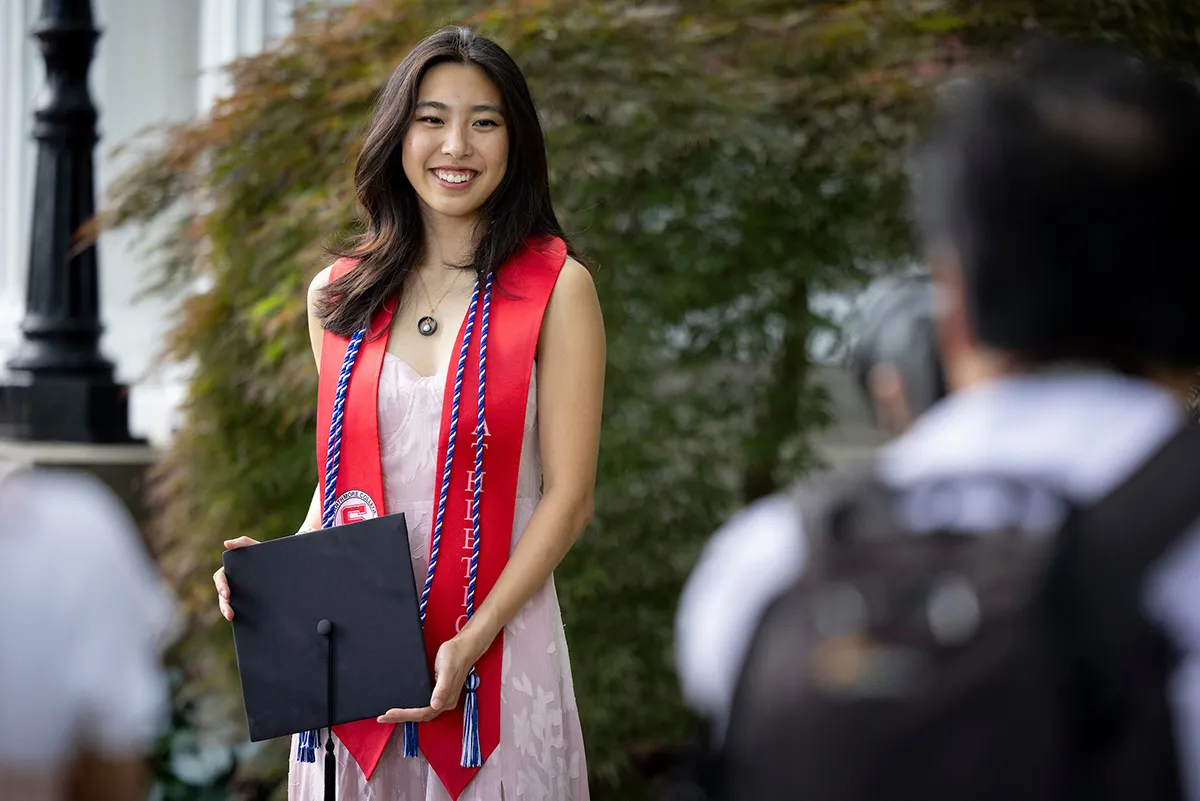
(393, 235)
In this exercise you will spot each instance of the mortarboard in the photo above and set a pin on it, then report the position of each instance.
(327, 629)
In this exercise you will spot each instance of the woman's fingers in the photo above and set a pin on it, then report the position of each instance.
(408, 715)
(240, 542)
(221, 584)
(223, 594)
(445, 695)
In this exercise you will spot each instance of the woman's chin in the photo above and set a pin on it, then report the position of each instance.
(453, 209)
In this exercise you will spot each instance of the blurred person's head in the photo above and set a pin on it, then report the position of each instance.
(454, 149)
(893, 352)
(1058, 206)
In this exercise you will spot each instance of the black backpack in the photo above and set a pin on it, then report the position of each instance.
(939, 666)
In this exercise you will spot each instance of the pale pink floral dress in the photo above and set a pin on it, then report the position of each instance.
(540, 756)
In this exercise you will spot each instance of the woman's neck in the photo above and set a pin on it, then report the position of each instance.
(450, 240)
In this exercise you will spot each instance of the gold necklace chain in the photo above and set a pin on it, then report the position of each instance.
(432, 306)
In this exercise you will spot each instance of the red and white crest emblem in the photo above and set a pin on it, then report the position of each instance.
(353, 506)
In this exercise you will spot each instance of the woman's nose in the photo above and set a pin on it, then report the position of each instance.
(457, 144)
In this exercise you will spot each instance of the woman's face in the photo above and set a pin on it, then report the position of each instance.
(456, 149)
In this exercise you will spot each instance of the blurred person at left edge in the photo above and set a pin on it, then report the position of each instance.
(84, 618)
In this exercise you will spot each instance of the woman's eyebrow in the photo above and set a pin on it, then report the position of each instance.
(440, 106)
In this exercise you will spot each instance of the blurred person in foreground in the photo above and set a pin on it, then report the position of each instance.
(82, 690)
(893, 350)
(1008, 604)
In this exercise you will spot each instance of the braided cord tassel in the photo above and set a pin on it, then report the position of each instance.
(306, 748)
(472, 753)
(333, 453)
(410, 728)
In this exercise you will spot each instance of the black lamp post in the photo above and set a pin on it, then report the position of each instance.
(60, 388)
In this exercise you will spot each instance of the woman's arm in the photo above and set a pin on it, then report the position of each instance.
(312, 520)
(570, 394)
(316, 334)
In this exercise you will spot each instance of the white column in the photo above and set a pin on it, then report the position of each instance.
(231, 29)
(20, 74)
(252, 26)
(144, 76)
(278, 15)
(217, 48)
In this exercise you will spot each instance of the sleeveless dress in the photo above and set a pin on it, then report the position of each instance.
(540, 756)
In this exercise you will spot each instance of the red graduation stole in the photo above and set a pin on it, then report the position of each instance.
(517, 306)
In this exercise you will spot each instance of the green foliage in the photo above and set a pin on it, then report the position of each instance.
(718, 162)
(1164, 28)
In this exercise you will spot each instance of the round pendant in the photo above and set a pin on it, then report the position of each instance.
(427, 326)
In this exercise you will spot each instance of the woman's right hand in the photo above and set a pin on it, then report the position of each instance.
(219, 577)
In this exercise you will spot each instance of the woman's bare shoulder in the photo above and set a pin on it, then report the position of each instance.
(315, 329)
(319, 282)
(574, 282)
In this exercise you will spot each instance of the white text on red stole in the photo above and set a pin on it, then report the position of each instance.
(469, 524)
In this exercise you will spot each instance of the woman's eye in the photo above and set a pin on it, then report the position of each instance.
(430, 120)
(486, 123)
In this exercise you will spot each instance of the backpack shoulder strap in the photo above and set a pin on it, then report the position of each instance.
(1117, 662)
(822, 500)
(1167, 483)
(1111, 544)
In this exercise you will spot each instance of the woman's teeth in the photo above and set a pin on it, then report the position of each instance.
(454, 177)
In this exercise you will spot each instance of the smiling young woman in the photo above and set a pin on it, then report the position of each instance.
(456, 152)
(462, 287)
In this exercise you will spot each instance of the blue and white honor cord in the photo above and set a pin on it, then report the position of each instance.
(472, 756)
(471, 750)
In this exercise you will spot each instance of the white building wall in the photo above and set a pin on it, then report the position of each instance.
(157, 62)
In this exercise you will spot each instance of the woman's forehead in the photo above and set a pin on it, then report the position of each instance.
(453, 86)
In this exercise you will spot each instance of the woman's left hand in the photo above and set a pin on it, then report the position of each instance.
(450, 668)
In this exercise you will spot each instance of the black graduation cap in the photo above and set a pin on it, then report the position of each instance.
(327, 628)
